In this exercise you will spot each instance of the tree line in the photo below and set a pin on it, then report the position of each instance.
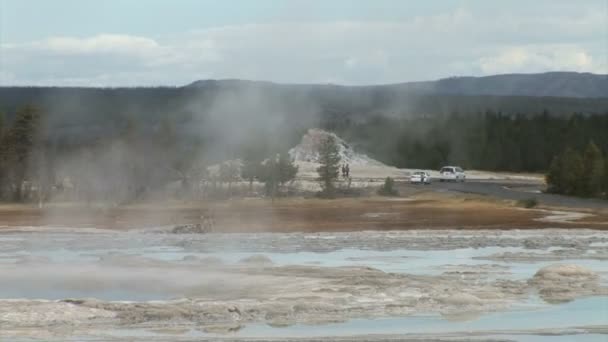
(579, 173)
(22, 155)
(134, 165)
(274, 172)
(139, 160)
(491, 141)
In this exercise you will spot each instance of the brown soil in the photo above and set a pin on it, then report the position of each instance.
(298, 214)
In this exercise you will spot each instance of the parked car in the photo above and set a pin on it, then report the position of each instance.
(420, 177)
(452, 173)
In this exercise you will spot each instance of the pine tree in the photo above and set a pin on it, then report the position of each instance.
(572, 173)
(388, 188)
(268, 173)
(287, 169)
(3, 157)
(554, 176)
(250, 169)
(275, 172)
(329, 158)
(132, 162)
(22, 138)
(593, 165)
(229, 173)
(605, 182)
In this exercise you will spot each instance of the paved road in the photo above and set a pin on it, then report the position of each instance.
(512, 190)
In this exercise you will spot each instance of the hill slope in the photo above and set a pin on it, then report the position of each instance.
(558, 84)
(236, 111)
(550, 84)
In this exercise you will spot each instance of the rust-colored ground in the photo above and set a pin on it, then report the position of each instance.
(298, 214)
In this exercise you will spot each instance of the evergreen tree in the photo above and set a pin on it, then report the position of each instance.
(3, 157)
(287, 169)
(329, 158)
(388, 188)
(41, 169)
(132, 158)
(250, 169)
(268, 173)
(554, 176)
(275, 172)
(572, 173)
(605, 182)
(229, 173)
(593, 165)
(22, 138)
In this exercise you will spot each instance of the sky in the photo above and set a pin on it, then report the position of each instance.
(354, 42)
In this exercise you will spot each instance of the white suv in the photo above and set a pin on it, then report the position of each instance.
(452, 173)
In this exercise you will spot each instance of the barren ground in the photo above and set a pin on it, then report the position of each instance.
(425, 210)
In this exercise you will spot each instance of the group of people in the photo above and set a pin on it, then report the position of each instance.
(345, 171)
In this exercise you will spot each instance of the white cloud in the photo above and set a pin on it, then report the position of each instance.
(104, 43)
(460, 42)
(543, 58)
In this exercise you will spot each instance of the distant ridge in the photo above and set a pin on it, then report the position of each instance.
(558, 84)
(85, 112)
(553, 84)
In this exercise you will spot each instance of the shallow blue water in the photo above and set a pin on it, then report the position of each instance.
(405, 261)
(65, 256)
(397, 261)
(74, 251)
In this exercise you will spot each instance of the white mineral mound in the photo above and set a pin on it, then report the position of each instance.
(306, 156)
(308, 150)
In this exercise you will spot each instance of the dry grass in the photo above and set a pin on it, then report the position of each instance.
(422, 211)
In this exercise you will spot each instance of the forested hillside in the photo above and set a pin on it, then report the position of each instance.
(556, 84)
(485, 141)
(75, 114)
(135, 139)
